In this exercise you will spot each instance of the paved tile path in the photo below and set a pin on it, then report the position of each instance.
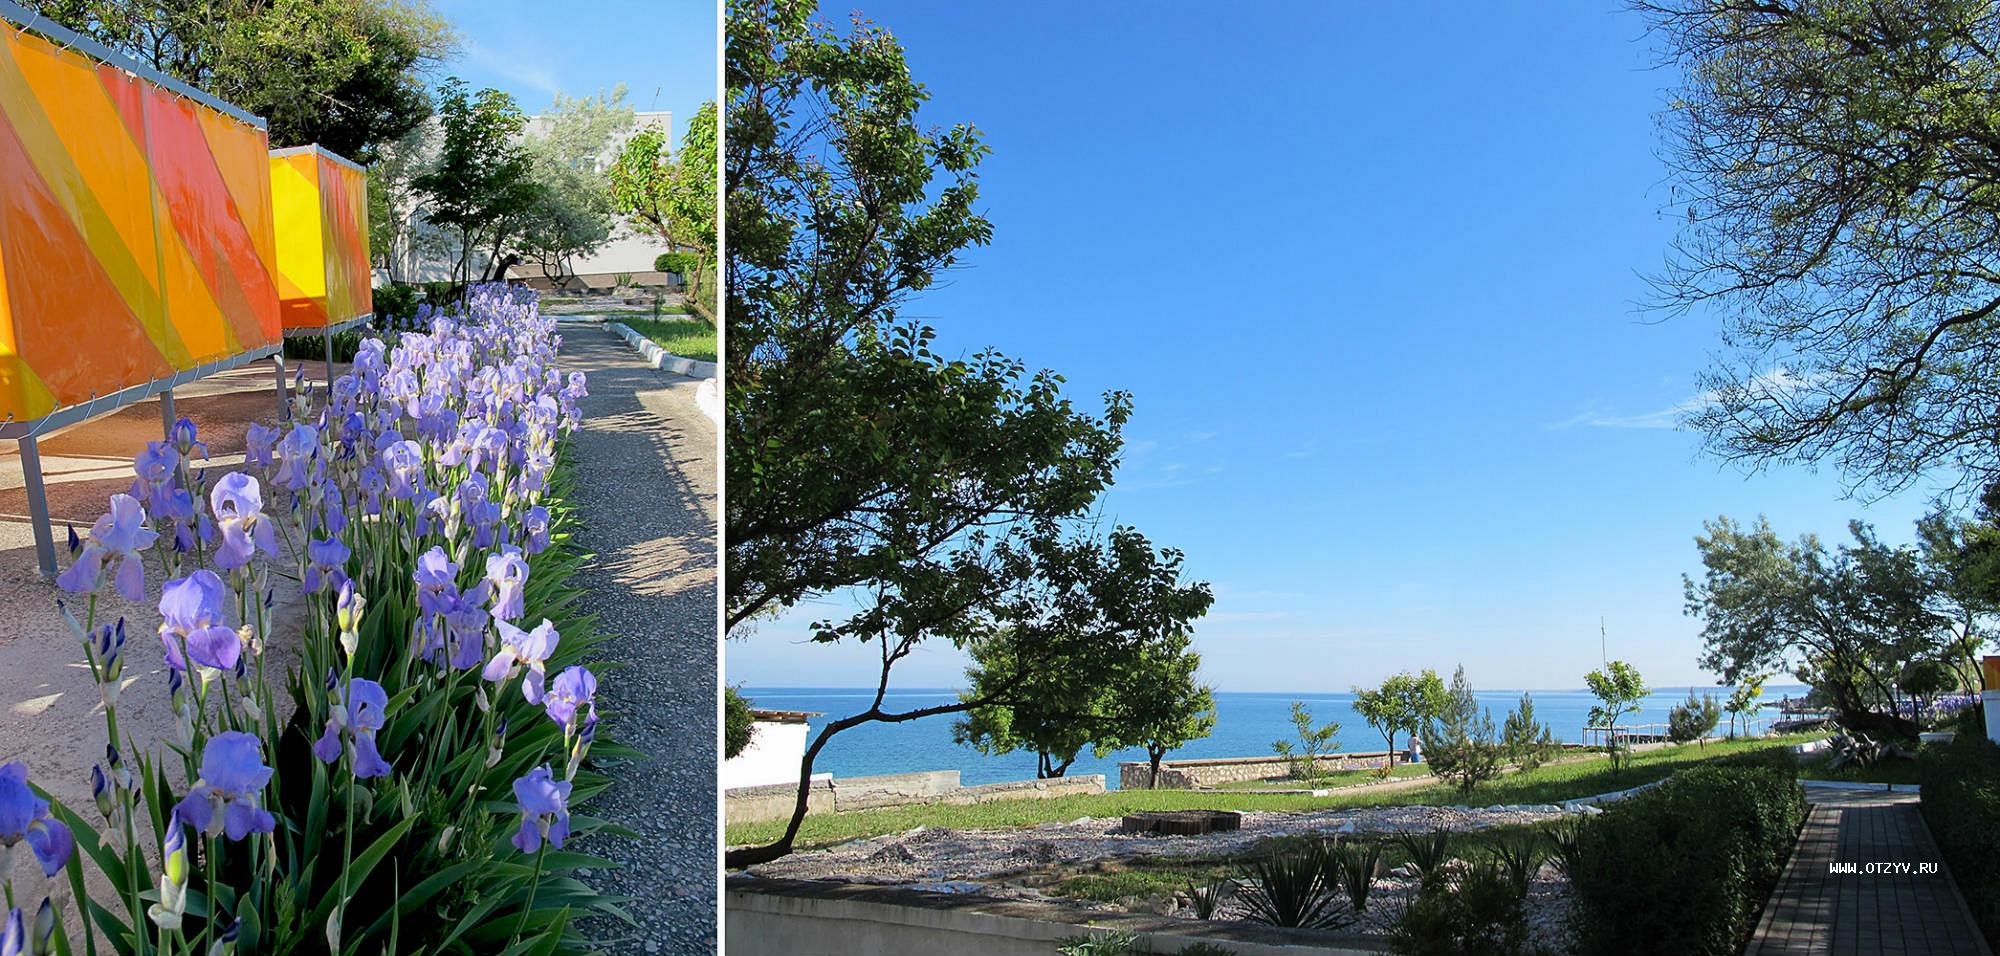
(1896, 911)
(646, 477)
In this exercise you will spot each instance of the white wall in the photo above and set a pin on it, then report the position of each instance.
(772, 757)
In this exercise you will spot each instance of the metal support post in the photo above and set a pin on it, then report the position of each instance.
(38, 507)
(167, 416)
(329, 358)
(284, 398)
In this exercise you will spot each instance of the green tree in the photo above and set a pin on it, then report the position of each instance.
(1315, 743)
(481, 186)
(1400, 705)
(570, 215)
(1693, 719)
(1619, 691)
(1168, 709)
(1526, 742)
(671, 195)
(1460, 742)
(1833, 161)
(1743, 698)
(739, 725)
(1845, 620)
(346, 74)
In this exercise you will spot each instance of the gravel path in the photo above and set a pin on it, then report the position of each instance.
(646, 492)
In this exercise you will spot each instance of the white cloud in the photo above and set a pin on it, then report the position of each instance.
(1777, 381)
(530, 72)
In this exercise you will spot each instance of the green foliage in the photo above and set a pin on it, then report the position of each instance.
(1314, 744)
(313, 347)
(671, 196)
(1834, 162)
(683, 263)
(1206, 897)
(1109, 943)
(396, 304)
(1402, 704)
(1427, 853)
(346, 74)
(1477, 913)
(569, 214)
(482, 186)
(1682, 868)
(737, 723)
(1694, 718)
(1848, 619)
(1352, 867)
(1526, 742)
(1961, 805)
(1619, 690)
(1743, 699)
(1290, 888)
(1519, 855)
(1461, 744)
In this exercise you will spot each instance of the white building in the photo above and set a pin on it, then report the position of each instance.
(777, 745)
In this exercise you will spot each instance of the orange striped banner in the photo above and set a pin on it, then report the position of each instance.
(320, 207)
(136, 237)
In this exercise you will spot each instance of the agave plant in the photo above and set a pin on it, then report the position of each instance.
(1519, 855)
(1207, 898)
(1428, 853)
(1352, 867)
(1565, 844)
(1289, 888)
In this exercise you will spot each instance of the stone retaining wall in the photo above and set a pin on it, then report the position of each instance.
(848, 794)
(1213, 772)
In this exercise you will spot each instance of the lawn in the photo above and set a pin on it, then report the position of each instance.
(1549, 784)
(687, 338)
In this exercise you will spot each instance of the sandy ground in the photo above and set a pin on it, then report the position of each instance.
(51, 716)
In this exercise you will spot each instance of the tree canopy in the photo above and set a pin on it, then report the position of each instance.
(1834, 162)
(346, 74)
(481, 185)
(671, 195)
(1401, 705)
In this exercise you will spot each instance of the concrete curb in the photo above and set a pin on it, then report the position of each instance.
(1854, 785)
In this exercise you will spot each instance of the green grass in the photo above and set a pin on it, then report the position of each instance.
(1549, 784)
(687, 338)
(1340, 778)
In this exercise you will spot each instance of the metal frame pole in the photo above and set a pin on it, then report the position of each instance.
(167, 415)
(284, 399)
(328, 338)
(38, 506)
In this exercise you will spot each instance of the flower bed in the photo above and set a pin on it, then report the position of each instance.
(408, 786)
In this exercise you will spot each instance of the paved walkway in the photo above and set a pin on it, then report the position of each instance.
(646, 463)
(1897, 910)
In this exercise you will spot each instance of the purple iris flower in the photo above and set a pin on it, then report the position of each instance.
(325, 559)
(295, 456)
(364, 712)
(544, 803)
(403, 466)
(508, 572)
(536, 523)
(116, 538)
(225, 798)
(25, 816)
(258, 442)
(14, 938)
(529, 649)
(239, 515)
(186, 441)
(191, 612)
(437, 581)
(573, 690)
(157, 463)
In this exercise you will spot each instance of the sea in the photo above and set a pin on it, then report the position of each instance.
(1246, 725)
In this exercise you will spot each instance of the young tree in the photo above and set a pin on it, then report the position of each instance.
(1460, 742)
(346, 74)
(1168, 709)
(1693, 719)
(671, 196)
(1846, 621)
(481, 185)
(1619, 691)
(1314, 743)
(1526, 742)
(1743, 699)
(571, 212)
(1400, 705)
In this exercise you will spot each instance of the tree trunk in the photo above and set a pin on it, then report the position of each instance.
(1153, 757)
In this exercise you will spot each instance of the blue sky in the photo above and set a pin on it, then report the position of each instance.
(1371, 273)
(664, 52)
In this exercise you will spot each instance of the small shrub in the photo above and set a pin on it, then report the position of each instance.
(1478, 914)
(738, 724)
(1519, 855)
(1563, 843)
(1463, 747)
(1525, 741)
(396, 305)
(1111, 943)
(1428, 853)
(1694, 718)
(1206, 898)
(679, 263)
(1352, 868)
(1289, 889)
(1314, 743)
(1961, 804)
(1682, 868)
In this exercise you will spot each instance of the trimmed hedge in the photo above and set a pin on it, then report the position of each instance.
(1961, 804)
(1683, 868)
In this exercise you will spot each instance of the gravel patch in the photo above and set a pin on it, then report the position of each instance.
(646, 494)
